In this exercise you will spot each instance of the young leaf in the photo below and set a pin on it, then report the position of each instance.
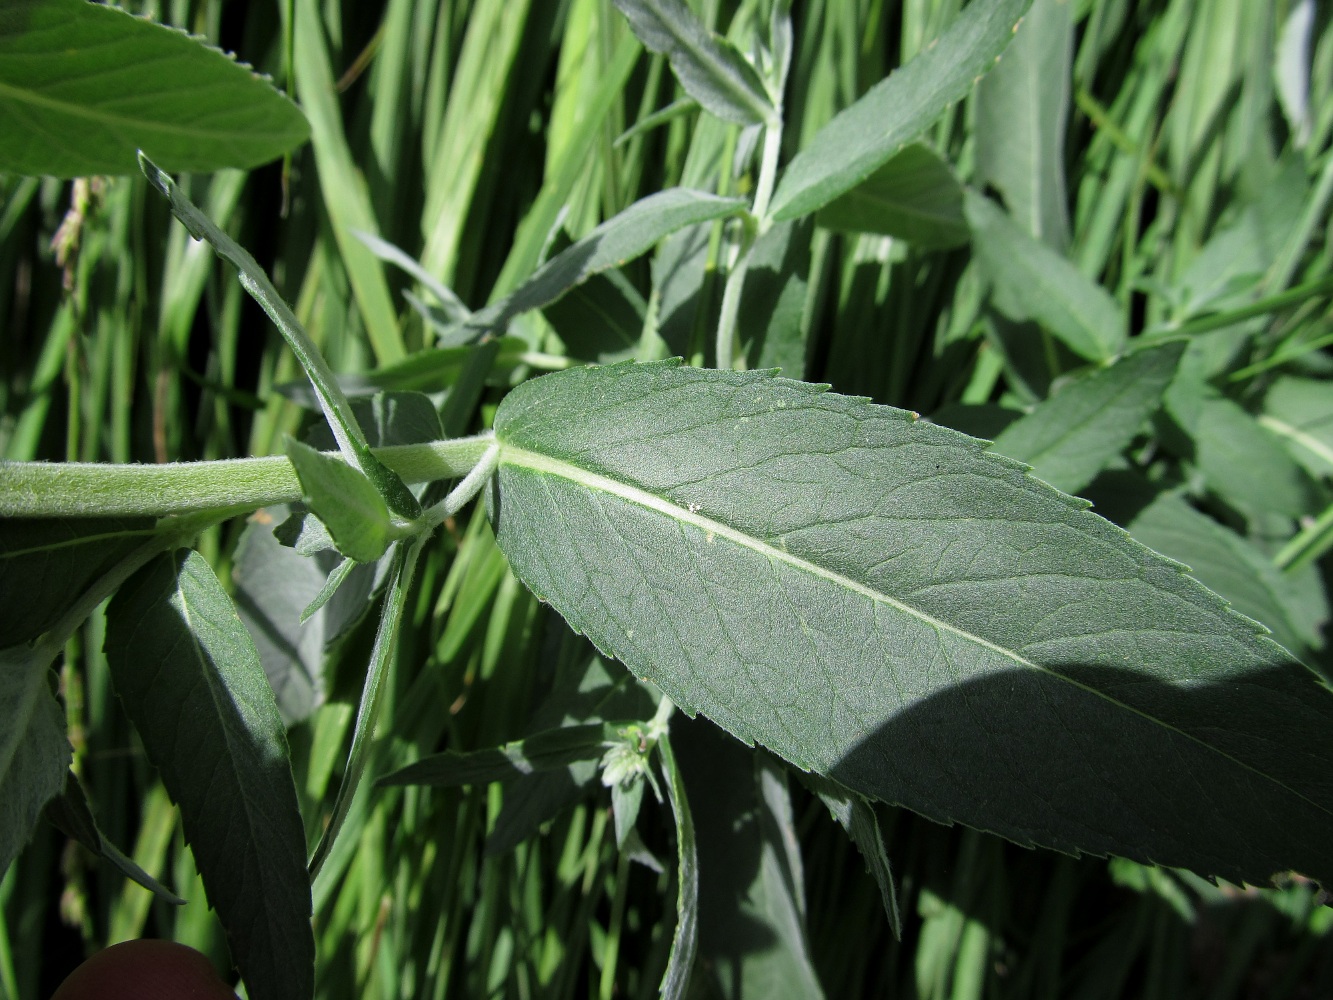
(773, 300)
(551, 748)
(351, 441)
(34, 753)
(915, 196)
(70, 813)
(341, 497)
(83, 86)
(860, 139)
(1032, 281)
(622, 238)
(190, 680)
(882, 601)
(710, 68)
(1072, 436)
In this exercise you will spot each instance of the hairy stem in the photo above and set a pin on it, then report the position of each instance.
(84, 489)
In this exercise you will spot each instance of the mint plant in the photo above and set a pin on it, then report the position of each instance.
(897, 611)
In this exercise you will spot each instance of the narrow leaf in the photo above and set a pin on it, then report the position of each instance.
(882, 601)
(915, 197)
(1032, 281)
(710, 68)
(83, 86)
(34, 753)
(1072, 436)
(676, 980)
(70, 813)
(615, 242)
(190, 680)
(344, 500)
(351, 441)
(860, 139)
(542, 751)
(1022, 111)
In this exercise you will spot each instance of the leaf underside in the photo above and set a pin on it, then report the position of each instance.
(881, 601)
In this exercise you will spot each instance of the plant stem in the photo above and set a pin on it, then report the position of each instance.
(740, 262)
(86, 489)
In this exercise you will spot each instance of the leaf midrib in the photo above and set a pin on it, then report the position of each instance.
(538, 462)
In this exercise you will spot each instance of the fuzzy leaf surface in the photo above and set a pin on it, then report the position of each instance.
(881, 601)
(83, 86)
(915, 196)
(898, 109)
(191, 682)
(709, 67)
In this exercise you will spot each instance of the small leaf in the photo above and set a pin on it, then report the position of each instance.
(898, 109)
(882, 601)
(915, 197)
(34, 753)
(1300, 410)
(616, 241)
(190, 680)
(1032, 281)
(83, 86)
(70, 813)
(709, 67)
(773, 300)
(344, 500)
(1079, 431)
(543, 751)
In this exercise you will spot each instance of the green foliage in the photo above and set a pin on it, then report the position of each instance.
(421, 746)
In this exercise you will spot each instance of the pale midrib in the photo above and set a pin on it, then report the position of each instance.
(511, 455)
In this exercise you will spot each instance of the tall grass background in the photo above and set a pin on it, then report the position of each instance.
(468, 133)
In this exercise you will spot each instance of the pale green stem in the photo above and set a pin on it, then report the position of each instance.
(740, 262)
(464, 491)
(86, 489)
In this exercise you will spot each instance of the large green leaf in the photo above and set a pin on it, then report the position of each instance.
(83, 86)
(191, 683)
(881, 601)
(34, 753)
(859, 140)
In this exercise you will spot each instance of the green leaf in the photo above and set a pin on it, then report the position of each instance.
(83, 86)
(1022, 111)
(34, 753)
(1079, 431)
(191, 682)
(70, 813)
(882, 601)
(773, 300)
(344, 500)
(351, 440)
(752, 940)
(46, 564)
(1301, 411)
(543, 751)
(898, 109)
(616, 241)
(709, 67)
(680, 963)
(1032, 281)
(915, 197)
(1222, 560)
